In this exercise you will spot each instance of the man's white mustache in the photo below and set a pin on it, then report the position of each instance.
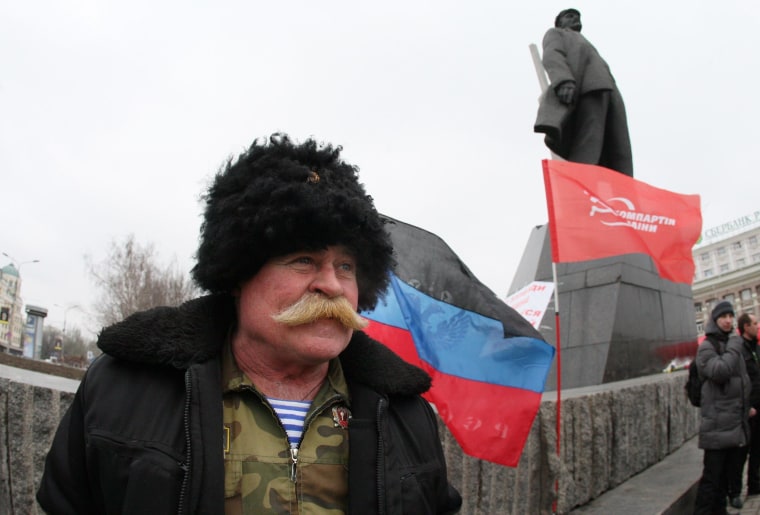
(314, 306)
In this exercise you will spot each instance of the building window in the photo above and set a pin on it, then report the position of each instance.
(737, 245)
(700, 328)
(708, 272)
(705, 257)
(741, 262)
(698, 307)
(709, 304)
(721, 251)
(745, 294)
(753, 241)
(723, 268)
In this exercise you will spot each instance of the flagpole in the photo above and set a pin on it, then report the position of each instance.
(551, 225)
(559, 364)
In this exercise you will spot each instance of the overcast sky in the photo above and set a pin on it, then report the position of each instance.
(115, 115)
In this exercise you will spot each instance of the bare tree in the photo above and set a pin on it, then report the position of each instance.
(70, 345)
(131, 279)
(49, 336)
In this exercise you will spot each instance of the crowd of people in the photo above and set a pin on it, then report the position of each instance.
(729, 431)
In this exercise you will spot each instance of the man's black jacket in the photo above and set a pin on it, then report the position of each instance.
(144, 433)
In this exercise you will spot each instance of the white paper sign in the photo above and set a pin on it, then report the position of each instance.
(531, 301)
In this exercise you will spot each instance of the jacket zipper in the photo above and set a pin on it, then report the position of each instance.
(186, 465)
(380, 458)
(293, 463)
(294, 450)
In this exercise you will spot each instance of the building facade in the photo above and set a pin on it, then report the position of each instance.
(12, 316)
(727, 267)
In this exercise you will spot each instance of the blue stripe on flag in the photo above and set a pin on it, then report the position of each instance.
(387, 310)
(466, 344)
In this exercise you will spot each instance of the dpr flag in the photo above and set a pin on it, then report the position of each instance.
(488, 364)
(595, 212)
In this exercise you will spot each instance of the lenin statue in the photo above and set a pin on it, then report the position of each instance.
(582, 113)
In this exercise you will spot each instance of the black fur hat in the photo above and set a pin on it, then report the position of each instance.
(279, 197)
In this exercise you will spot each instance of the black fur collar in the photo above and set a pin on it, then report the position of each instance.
(195, 332)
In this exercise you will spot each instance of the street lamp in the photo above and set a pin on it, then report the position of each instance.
(16, 295)
(65, 313)
(16, 263)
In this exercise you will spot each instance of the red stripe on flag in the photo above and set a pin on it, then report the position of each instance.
(398, 340)
(489, 421)
(485, 426)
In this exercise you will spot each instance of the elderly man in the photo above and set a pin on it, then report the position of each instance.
(582, 113)
(265, 396)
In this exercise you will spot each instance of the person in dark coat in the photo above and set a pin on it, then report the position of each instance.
(264, 396)
(582, 114)
(746, 325)
(725, 409)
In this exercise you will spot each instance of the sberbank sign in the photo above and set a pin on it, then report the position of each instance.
(733, 225)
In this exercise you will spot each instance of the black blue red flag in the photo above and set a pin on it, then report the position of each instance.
(488, 364)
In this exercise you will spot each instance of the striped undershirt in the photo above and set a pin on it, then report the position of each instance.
(292, 415)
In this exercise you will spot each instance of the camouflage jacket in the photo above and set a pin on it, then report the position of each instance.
(262, 473)
(144, 433)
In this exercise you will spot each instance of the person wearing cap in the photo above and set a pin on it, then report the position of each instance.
(264, 396)
(725, 409)
(582, 113)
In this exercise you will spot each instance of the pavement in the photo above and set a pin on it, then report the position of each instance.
(43, 380)
(751, 506)
(666, 488)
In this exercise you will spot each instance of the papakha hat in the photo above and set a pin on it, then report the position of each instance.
(280, 197)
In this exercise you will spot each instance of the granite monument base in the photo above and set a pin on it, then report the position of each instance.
(618, 318)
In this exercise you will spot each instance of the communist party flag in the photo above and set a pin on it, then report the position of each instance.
(595, 212)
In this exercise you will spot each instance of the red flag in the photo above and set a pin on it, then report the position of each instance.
(595, 212)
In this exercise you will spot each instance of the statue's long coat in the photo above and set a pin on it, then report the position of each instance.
(567, 55)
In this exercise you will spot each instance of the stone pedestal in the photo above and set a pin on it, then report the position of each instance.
(618, 318)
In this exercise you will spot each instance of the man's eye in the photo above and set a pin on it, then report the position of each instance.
(303, 261)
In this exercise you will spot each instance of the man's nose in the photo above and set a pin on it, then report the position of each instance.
(326, 282)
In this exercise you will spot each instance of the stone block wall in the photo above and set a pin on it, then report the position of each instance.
(29, 416)
(609, 433)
